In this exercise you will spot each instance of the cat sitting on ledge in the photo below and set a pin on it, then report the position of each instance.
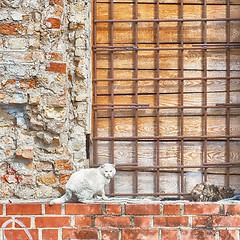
(87, 183)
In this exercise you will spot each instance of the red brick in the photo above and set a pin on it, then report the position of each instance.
(227, 234)
(1, 209)
(63, 164)
(25, 220)
(140, 234)
(173, 221)
(142, 209)
(54, 209)
(232, 209)
(3, 220)
(57, 2)
(141, 222)
(226, 221)
(57, 67)
(203, 208)
(11, 29)
(82, 209)
(113, 209)
(171, 209)
(112, 221)
(24, 209)
(83, 222)
(52, 222)
(2, 43)
(108, 234)
(80, 233)
(54, 56)
(168, 234)
(49, 234)
(55, 22)
(63, 178)
(20, 234)
(202, 221)
(195, 234)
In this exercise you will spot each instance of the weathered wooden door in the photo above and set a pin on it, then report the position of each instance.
(166, 89)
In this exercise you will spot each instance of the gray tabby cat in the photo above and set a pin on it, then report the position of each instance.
(87, 183)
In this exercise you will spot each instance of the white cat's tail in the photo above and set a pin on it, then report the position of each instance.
(65, 198)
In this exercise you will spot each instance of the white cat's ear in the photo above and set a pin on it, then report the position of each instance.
(114, 165)
(102, 166)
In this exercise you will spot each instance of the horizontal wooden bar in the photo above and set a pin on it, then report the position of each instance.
(159, 49)
(203, 137)
(165, 79)
(169, 20)
(167, 3)
(217, 44)
(168, 107)
(220, 165)
(146, 194)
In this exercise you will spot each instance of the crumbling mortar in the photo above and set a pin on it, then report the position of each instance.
(33, 18)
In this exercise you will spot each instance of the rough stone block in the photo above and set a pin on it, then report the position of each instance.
(44, 166)
(63, 165)
(24, 153)
(17, 43)
(47, 179)
(55, 112)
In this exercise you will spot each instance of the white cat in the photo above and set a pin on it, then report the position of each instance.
(87, 183)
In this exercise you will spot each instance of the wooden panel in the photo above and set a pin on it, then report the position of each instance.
(166, 86)
(169, 126)
(124, 182)
(216, 60)
(146, 179)
(169, 182)
(168, 100)
(124, 123)
(169, 32)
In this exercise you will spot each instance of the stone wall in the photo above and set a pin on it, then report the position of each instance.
(45, 94)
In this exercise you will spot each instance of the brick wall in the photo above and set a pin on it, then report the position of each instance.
(123, 221)
(45, 94)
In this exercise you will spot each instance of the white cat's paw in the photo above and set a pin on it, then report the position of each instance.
(104, 197)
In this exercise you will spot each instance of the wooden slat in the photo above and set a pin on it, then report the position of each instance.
(166, 86)
(216, 59)
(169, 32)
(169, 126)
(168, 100)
